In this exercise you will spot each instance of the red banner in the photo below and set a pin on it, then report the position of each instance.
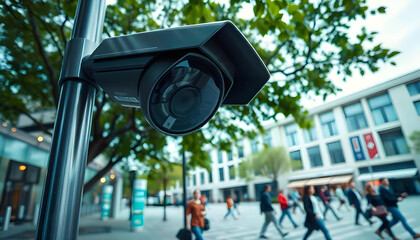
(370, 145)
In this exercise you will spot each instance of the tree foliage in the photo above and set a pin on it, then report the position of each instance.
(415, 139)
(301, 42)
(270, 162)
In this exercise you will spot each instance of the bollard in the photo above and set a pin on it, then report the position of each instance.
(7, 218)
(36, 215)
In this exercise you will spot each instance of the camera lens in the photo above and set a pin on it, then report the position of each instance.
(187, 95)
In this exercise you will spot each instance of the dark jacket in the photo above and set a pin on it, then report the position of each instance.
(374, 200)
(310, 220)
(265, 205)
(353, 199)
(389, 197)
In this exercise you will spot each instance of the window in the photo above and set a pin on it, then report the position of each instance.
(382, 109)
(231, 172)
(417, 106)
(210, 176)
(336, 152)
(254, 145)
(394, 142)
(240, 146)
(202, 178)
(414, 88)
(194, 180)
(355, 117)
(296, 160)
(329, 127)
(188, 181)
(220, 156)
(267, 138)
(230, 155)
(291, 135)
(315, 156)
(310, 135)
(221, 175)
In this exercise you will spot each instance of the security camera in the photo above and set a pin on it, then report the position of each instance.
(180, 76)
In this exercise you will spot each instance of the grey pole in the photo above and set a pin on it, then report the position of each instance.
(184, 187)
(6, 219)
(62, 194)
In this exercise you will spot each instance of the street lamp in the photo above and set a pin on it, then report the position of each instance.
(178, 77)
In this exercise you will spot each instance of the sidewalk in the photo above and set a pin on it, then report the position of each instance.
(247, 227)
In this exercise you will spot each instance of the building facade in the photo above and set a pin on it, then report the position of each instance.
(360, 137)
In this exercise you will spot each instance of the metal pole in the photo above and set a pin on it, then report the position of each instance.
(6, 219)
(62, 194)
(184, 187)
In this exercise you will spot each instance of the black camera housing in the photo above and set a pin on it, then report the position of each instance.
(179, 76)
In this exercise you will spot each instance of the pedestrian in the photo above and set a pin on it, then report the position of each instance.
(294, 194)
(326, 199)
(313, 220)
(391, 202)
(355, 200)
(284, 208)
(236, 204)
(197, 212)
(341, 197)
(268, 210)
(229, 204)
(378, 209)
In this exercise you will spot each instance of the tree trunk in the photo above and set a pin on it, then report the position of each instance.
(89, 185)
(164, 199)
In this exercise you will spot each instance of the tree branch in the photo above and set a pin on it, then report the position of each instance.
(51, 74)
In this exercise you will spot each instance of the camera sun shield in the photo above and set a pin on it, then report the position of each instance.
(179, 76)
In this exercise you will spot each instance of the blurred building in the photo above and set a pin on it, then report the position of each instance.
(360, 137)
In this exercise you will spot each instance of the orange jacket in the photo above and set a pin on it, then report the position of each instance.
(229, 202)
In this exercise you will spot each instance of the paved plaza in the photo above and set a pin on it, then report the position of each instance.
(247, 226)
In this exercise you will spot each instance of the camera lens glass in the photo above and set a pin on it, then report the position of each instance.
(187, 95)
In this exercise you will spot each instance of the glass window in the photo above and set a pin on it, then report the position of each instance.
(291, 135)
(37, 157)
(210, 176)
(202, 178)
(417, 106)
(382, 109)
(394, 143)
(329, 127)
(414, 88)
(315, 156)
(310, 135)
(240, 146)
(188, 181)
(221, 175)
(296, 160)
(194, 180)
(336, 152)
(254, 145)
(231, 172)
(220, 156)
(230, 155)
(267, 138)
(355, 117)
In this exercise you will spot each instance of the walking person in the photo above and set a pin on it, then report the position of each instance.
(326, 199)
(378, 209)
(355, 201)
(284, 208)
(391, 202)
(268, 210)
(229, 204)
(341, 197)
(314, 214)
(195, 224)
(294, 195)
(235, 204)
